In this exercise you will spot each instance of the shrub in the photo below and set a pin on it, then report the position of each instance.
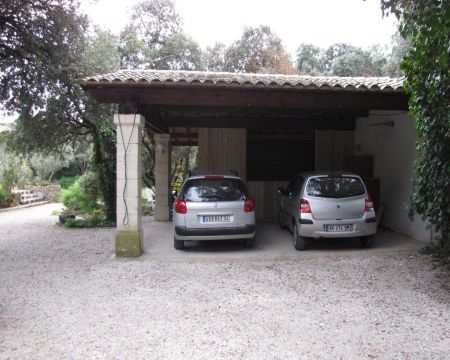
(67, 181)
(95, 219)
(81, 197)
(14, 171)
(89, 184)
(5, 198)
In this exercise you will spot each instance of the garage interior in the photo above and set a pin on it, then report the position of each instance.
(270, 127)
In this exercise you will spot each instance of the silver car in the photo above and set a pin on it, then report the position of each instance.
(213, 207)
(327, 205)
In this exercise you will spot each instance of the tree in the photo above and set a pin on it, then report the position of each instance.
(154, 40)
(426, 68)
(259, 50)
(359, 62)
(36, 37)
(310, 60)
(215, 57)
(45, 166)
(180, 52)
(400, 47)
(46, 50)
(154, 22)
(341, 60)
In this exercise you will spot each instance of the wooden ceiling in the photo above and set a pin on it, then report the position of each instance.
(189, 108)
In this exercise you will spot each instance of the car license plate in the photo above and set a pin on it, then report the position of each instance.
(338, 228)
(216, 218)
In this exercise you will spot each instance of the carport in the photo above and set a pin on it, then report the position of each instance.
(267, 127)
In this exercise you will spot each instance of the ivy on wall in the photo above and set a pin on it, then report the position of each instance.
(427, 71)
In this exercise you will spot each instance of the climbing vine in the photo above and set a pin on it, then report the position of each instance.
(427, 71)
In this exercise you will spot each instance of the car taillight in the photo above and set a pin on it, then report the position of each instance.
(304, 206)
(249, 205)
(369, 204)
(180, 206)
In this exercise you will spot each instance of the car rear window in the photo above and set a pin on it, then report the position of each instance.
(220, 189)
(335, 187)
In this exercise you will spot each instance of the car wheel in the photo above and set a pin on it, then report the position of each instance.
(299, 241)
(250, 242)
(367, 241)
(280, 221)
(178, 244)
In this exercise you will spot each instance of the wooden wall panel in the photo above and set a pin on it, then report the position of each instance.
(332, 147)
(220, 150)
(267, 201)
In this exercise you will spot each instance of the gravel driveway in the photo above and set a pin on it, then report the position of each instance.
(64, 296)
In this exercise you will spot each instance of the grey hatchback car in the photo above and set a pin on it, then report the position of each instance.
(327, 205)
(214, 207)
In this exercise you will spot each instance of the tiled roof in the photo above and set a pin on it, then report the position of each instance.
(154, 78)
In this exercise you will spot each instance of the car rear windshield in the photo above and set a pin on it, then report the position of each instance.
(218, 189)
(335, 187)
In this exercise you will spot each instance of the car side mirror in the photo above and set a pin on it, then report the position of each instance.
(281, 191)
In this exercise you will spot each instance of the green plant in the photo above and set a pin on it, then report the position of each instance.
(38, 182)
(81, 197)
(67, 181)
(14, 171)
(5, 198)
(95, 219)
(46, 165)
(426, 68)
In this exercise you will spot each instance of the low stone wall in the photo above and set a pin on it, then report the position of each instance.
(51, 192)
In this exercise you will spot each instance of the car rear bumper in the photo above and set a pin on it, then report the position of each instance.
(316, 230)
(242, 232)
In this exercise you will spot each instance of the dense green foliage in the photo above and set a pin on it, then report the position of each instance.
(66, 182)
(14, 171)
(258, 50)
(94, 219)
(427, 71)
(82, 196)
(346, 60)
(5, 198)
(48, 48)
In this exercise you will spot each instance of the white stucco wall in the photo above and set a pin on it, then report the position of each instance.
(393, 148)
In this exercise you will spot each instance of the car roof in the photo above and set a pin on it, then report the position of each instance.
(309, 174)
(225, 176)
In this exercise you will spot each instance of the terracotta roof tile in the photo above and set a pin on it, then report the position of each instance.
(150, 78)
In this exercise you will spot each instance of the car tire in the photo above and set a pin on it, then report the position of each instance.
(299, 241)
(367, 241)
(280, 222)
(178, 244)
(250, 242)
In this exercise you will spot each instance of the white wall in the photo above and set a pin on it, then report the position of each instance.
(393, 148)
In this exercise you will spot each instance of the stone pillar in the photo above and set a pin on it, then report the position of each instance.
(129, 237)
(162, 174)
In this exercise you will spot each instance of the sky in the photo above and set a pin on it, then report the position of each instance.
(319, 22)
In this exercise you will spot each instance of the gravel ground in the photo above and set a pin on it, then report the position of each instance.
(64, 296)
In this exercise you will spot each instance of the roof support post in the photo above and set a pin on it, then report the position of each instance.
(162, 176)
(129, 236)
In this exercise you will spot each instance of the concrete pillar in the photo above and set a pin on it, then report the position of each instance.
(162, 174)
(129, 237)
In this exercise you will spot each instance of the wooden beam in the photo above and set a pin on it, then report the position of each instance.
(293, 99)
(256, 123)
(184, 143)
